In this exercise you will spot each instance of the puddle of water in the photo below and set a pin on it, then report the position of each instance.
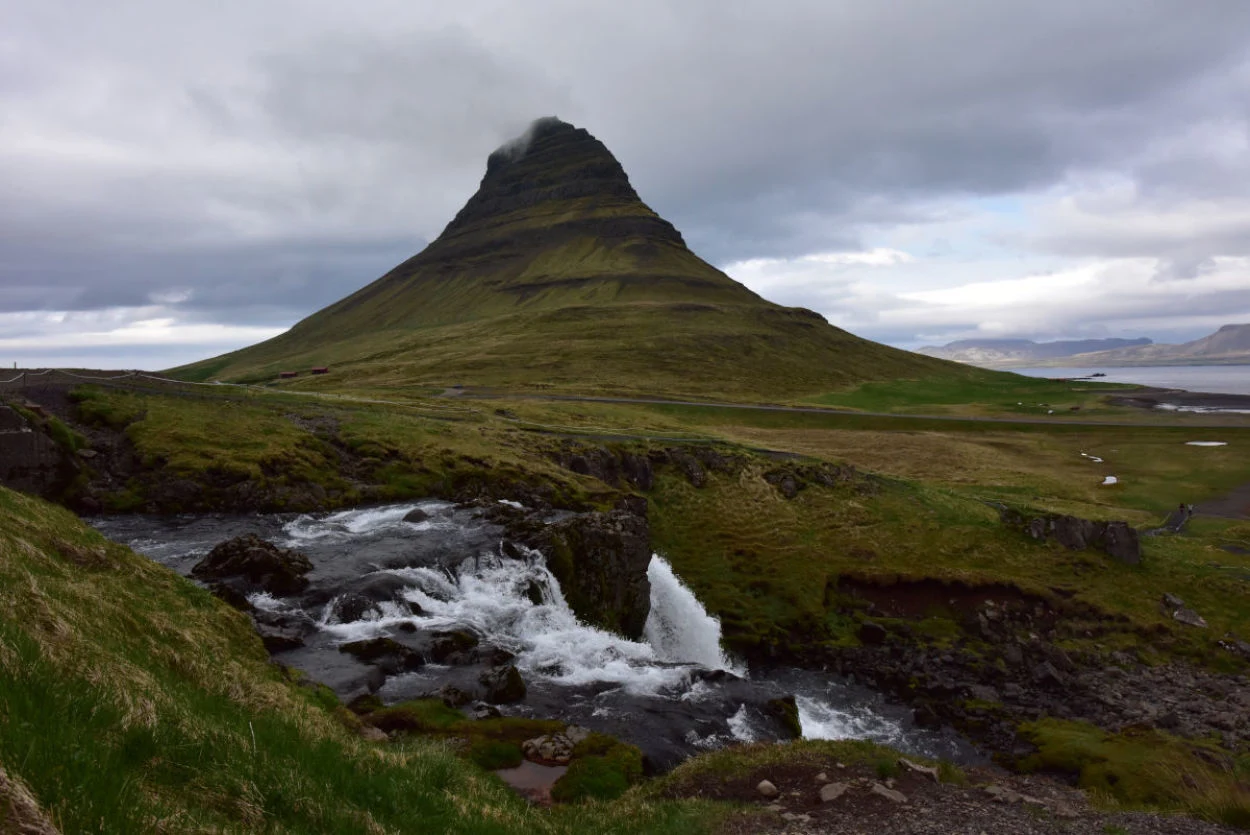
(533, 781)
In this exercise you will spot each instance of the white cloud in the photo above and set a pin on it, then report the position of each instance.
(100, 338)
(953, 300)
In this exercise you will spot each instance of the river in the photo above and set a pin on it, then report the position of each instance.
(674, 693)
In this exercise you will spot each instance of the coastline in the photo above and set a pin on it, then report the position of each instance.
(1148, 397)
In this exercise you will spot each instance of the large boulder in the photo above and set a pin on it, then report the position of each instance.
(352, 607)
(786, 712)
(503, 685)
(1121, 542)
(549, 749)
(280, 631)
(387, 654)
(453, 647)
(601, 562)
(258, 564)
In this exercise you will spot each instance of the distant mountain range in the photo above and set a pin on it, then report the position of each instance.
(1004, 353)
(1230, 345)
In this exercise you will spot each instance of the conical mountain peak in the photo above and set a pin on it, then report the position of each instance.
(556, 275)
(553, 168)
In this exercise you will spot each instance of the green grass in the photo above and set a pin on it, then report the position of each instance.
(821, 755)
(990, 393)
(768, 566)
(1145, 769)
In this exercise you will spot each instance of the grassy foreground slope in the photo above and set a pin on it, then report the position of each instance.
(133, 701)
(556, 276)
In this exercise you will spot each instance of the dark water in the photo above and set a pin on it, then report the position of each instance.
(1217, 379)
(663, 693)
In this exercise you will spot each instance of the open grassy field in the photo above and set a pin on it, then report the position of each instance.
(996, 393)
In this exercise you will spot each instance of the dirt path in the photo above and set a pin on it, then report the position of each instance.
(1235, 505)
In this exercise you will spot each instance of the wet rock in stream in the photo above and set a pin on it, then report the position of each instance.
(249, 564)
(502, 685)
(387, 654)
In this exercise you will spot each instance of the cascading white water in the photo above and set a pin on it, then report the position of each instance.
(820, 719)
(346, 524)
(678, 627)
(493, 597)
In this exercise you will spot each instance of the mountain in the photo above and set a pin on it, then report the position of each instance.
(1230, 345)
(1019, 353)
(556, 276)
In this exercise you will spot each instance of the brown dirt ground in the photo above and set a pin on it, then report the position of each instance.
(1049, 808)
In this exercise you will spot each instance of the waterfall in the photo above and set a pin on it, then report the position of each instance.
(453, 569)
(678, 627)
(490, 595)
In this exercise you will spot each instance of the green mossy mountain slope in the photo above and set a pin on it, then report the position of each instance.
(556, 275)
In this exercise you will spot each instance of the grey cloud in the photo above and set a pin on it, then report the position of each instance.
(271, 284)
(1184, 267)
(918, 99)
(275, 156)
(433, 94)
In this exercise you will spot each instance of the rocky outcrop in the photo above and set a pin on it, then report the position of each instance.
(1009, 668)
(250, 564)
(554, 749)
(31, 459)
(793, 477)
(1116, 539)
(552, 164)
(601, 562)
(623, 467)
(615, 467)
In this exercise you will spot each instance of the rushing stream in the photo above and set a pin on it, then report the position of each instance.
(448, 572)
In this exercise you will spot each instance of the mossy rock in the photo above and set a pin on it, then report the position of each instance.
(421, 716)
(447, 644)
(365, 704)
(494, 754)
(786, 711)
(600, 777)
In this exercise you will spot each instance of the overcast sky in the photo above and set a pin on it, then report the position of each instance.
(182, 178)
